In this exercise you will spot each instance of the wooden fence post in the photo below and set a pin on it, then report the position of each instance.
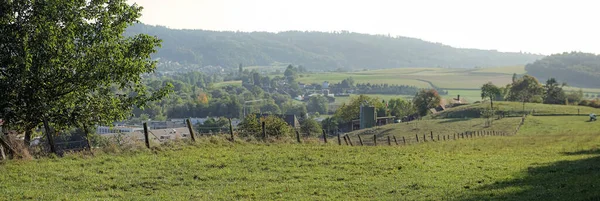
(324, 137)
(395, 141)
(424, 138)
(230, 131)
(11, 151)
(375, 140)
(404, 140)
(2, 155)
(346, 140)
(438, 137)
(349, 140)
(297, 136)
(417, 137)
(264, 130)
(191, 129)
(389, 141)
(339, 139)
(444, 137)
(146, 135)
(360, 140)
(431, 135)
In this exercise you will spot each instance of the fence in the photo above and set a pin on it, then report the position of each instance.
(324, 138)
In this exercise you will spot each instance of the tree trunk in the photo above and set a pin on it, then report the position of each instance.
(27, 140)
(49, 135)
(87, 137)
(492, 103)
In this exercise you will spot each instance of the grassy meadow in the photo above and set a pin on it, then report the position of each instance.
(541, 162)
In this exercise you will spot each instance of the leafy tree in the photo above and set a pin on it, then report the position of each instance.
(270, 108)
(330, 123)
(526, 89)
(490, 91)
(554, 93)
(61, 58)
(250, 126)
(575, 97)
(291, 73)
(425, 100)
(400, 108)
(310, 127)
(296, 109)
(276, 126)
(317, 104)
(351, 110)
(347, 83)
(213, 125)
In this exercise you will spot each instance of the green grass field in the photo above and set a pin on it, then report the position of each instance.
(515, 108)
(441, 77)
(542, 162)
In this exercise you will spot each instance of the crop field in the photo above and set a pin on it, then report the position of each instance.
(504, 70)
(542, 162)
(419, 77)
(228, 83)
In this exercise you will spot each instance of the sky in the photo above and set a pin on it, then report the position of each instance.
(543, 27)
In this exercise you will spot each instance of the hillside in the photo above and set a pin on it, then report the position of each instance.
(576, 68)
(317, 50)
(552, 158)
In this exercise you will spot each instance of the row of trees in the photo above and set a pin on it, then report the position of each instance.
(316, 50)
(528, 89)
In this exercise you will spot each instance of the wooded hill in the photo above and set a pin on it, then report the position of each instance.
(576, 68)
(318, 50)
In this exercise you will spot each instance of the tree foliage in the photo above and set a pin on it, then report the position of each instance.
(491, 91)
(68, 63)
(554, 93)
(425, 100)
(399, 107)
(576, 68)
(318, 104)
(526, 89)
(351, 110)
(310, 127)
(317, 50)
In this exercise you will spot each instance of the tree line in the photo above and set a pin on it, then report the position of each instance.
(577, 68)
(316, 50)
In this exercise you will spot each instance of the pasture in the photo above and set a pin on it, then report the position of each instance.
(540, 163)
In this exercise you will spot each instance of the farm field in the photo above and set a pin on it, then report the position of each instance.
(419, 77)
(540, 163)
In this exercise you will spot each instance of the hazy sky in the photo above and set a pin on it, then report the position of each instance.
(506, 25)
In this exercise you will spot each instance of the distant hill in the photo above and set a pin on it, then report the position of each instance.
(576, 68)
(318, 50)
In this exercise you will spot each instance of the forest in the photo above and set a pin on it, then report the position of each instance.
(576, 68)
(316, 50)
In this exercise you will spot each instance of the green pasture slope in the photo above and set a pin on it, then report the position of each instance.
(551, 158)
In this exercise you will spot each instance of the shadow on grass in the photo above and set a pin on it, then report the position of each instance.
(454, 120)
(563, 180)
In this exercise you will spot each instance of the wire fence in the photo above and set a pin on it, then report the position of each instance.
(365, 138)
